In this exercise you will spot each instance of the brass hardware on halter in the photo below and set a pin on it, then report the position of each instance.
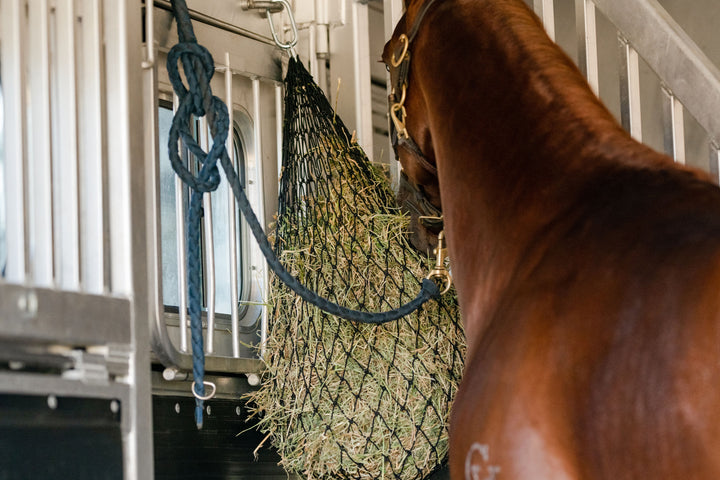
(406, 43)
(440, 272)
(399, 121)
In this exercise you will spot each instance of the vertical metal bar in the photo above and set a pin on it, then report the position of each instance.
(181, 253)
(630, 110)
(91, 123)
(13, 26)
(40, 147)
(715, 161)
(149, 35)
(209, 245)
(545, 9)
(67, 245)
(129, 217)
(313, 58)
(361, 62)
(232, 219)
(122, 121)
(279, 127)
(674, 127)
(393, 11)
(260, 207)
(587, 42)
(320, 47)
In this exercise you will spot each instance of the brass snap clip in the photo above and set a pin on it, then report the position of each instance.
(398, 114)
(440, 273)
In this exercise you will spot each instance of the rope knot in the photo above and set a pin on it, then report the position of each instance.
(199, 67)
(196, 101)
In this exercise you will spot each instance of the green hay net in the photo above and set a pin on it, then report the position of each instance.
(340, 399)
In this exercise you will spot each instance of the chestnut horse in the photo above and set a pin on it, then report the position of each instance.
(587, 265)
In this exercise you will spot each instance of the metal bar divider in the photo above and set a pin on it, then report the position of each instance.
(630, 110)
(181, 252)
(67, 243)
(260, 268)
(674, 126)
(120, 114)
(715, 160)
(670, 53)
(91, 151)
(232, 217)
(39, 176)
(587, 42)
(545, 9)
(209, 247)
(14, 54)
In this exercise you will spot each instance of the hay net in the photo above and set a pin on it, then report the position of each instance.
(341, 399)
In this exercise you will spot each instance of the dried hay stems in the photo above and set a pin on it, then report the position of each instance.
(346, 400)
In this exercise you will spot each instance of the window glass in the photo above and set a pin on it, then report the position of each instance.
(168, 221)
(221, 215)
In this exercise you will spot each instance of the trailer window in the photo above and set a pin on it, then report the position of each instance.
(221, 215)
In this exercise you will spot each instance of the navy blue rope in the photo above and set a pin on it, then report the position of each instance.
(198, 101)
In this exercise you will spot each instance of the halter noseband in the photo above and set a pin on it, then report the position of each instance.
(399, 68)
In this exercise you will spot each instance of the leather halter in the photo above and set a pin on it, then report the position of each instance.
(399, 71)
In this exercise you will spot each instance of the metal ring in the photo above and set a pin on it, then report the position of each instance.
(288, 9)
(445, 278)
(206, 397)
(396, 63)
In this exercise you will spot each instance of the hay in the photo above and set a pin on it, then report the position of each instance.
(346, 400)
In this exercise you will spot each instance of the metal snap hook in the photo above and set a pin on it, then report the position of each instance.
(440, 272)
(398, 114)
(293, 25)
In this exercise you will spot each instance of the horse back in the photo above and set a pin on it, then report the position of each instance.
(601, 358)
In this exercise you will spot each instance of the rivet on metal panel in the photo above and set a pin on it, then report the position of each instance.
(28, 304)
(171, 374)
(253, 379)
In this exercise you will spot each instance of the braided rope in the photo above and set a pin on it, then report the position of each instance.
(197, 101)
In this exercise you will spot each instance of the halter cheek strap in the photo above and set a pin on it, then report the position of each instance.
(399, 71)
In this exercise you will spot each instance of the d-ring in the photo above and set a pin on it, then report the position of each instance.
(396, 63)
(205, 397)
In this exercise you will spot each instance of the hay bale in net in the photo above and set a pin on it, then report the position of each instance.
(341, 399)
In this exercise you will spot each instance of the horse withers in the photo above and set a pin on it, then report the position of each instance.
(587, 265)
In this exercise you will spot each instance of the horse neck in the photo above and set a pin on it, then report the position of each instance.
(514, 129)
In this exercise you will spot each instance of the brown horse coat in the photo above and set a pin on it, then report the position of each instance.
(587, 265)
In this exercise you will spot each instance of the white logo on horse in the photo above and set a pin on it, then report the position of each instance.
(476, 464)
